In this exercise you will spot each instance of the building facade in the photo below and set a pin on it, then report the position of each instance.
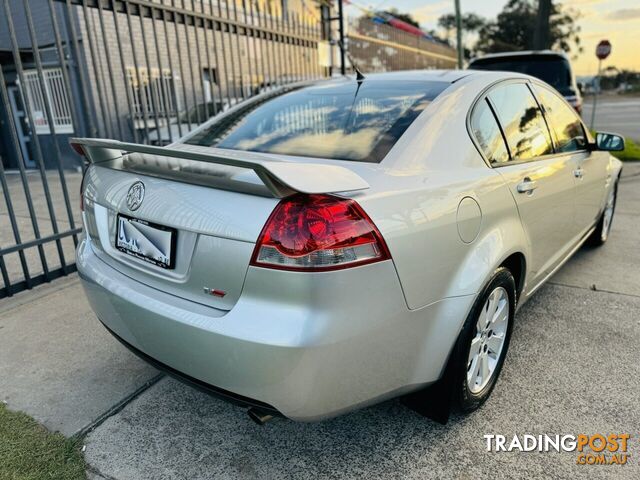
(143, 73)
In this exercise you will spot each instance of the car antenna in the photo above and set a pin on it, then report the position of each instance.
(359, 75)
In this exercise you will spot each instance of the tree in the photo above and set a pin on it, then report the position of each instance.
(405, 17)
(515, 26)
(612, 78)
(470, 23)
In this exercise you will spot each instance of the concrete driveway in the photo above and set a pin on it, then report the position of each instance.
(572, 368)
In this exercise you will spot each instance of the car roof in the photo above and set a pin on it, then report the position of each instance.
(444, 76)
(448, 76)
(523, 53)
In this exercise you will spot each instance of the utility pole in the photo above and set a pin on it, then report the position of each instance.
(459, 33)
(596, 85)
(541, 32)
(343, 65)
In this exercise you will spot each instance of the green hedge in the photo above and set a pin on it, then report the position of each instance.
(631, 151)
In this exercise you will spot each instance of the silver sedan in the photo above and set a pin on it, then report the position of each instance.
(326, 246)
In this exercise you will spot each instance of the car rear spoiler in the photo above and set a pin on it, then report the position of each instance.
(280, 177)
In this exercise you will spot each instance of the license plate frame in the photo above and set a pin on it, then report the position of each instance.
(160, 243)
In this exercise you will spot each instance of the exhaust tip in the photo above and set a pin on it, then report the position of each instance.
(259, 416)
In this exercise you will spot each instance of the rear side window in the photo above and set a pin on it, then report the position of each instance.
(522, 121)
(337, 120)
(563, 121)
(487, 133)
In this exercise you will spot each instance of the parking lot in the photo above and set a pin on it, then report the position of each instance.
(572, 368)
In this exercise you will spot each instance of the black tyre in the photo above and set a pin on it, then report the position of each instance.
(479, 353)
(601, 234)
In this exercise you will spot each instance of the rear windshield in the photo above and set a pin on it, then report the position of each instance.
(341, 121)
(553, 70)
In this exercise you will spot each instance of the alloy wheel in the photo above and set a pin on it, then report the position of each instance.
(488, 341)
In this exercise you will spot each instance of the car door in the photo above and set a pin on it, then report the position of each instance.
(541, 182)
(590, 167)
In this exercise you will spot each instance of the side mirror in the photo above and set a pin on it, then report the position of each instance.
(609, 142)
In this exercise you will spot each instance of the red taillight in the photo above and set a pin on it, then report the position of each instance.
(79, 149)
(316, 233)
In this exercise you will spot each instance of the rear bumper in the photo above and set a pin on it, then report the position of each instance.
(194, 382)
(310, 346)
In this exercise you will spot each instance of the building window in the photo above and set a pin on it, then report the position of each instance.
(57, 99)
(153, 91)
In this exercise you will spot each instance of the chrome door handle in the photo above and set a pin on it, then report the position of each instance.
(526, 186)
(578, 173)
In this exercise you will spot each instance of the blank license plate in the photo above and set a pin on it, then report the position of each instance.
(147, 241)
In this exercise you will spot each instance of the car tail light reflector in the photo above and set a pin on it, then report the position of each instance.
(79, 149)
(318, 233)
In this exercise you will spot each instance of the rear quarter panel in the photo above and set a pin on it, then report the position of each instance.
(434, 166)
(419, 221)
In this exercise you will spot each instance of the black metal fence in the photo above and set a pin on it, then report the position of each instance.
(146, 71)
(135, 70)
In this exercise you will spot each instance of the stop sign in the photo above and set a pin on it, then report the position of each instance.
(603, 49)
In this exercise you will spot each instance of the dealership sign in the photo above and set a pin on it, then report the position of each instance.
(594, 449)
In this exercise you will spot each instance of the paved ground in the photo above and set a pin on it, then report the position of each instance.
(615, 113)
(573, 368)
(58, 364)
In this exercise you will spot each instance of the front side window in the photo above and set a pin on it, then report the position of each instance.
(337, 120)
(487, 133)
(563, 120)
(522, 121)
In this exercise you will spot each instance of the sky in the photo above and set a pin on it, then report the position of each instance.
(615, 20)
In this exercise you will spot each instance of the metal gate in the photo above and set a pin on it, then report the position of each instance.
(135, 70)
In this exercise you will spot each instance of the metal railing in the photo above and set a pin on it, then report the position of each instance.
(134, 70)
